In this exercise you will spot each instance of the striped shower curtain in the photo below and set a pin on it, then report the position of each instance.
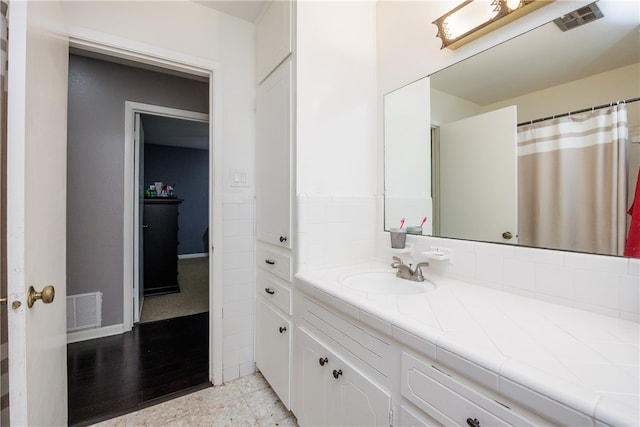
(572, 181)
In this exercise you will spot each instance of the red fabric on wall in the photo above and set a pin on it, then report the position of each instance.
(632, 248)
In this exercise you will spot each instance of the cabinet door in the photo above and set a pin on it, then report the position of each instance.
(313, 374)
(273, 158)
(332, 392)
(273, 37)
(272, 348)
(354, 399)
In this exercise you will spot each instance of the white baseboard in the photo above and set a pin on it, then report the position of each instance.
(89, 334)
(196, 255)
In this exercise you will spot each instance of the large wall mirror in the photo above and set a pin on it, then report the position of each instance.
(534, 142)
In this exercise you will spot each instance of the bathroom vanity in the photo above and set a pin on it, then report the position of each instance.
(456, 354)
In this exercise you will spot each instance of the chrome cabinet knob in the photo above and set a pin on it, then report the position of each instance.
(337, 373)
(323, 360)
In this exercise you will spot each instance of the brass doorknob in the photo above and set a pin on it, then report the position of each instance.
(507, 235)
(47, 295)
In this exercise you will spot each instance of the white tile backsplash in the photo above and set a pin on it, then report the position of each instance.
(335, 230)
(596, 283)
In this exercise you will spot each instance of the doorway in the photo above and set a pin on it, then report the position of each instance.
(90, 159)
(171, 262)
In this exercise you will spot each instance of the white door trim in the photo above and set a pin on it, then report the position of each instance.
(164, 58)
(131, 195)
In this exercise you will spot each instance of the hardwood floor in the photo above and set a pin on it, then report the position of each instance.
(154, 362)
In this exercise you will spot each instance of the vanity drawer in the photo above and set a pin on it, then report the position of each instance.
(449, 401)
(344, 334)
(274, 290)
(274, 261)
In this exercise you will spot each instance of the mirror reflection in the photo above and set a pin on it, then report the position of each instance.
(496, 149)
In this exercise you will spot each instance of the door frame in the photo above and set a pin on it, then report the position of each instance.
(178, 62)
(131, 108)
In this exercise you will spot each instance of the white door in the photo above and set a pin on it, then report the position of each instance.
(313, 371)
(354, 399)
(478, 180)
(273, 332)
(36, 211)
(273, 148)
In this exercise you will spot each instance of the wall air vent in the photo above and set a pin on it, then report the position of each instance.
(84, 311)
(579, 17)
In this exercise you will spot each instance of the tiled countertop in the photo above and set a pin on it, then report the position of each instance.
(586, 361)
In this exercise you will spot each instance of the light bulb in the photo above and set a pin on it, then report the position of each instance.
(512, 4)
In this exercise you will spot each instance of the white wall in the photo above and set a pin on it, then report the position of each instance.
(584, 93)
(336, 132)
(336, 98)
(190, 30)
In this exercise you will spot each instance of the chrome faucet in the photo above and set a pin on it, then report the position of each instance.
(405, 272)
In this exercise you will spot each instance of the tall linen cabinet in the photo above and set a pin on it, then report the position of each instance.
(275, 195)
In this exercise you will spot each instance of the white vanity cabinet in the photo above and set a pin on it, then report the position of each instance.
(273, 158)
(448, 401)
(273, 348)
(274, 195)
(342, 369)
(274, 37)
(440, 369)
(332, 392)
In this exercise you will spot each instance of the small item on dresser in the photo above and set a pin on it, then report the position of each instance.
(398, 237)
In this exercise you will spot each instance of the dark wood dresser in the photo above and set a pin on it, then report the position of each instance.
(160, 219)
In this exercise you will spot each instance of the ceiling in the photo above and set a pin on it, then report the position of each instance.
(546, 57)
(163, 130)
(243, 9)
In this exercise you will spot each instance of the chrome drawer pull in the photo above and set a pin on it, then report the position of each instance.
(269, 261)
(269, 291)
(283, 329)
(473, 422)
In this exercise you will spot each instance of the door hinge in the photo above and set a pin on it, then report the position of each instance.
(391, 417)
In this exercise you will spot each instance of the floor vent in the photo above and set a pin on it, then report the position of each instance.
(84, 311)
(579, 17)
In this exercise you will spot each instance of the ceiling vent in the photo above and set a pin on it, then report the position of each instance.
(579, 17)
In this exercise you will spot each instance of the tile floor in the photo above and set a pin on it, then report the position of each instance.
(248, 401)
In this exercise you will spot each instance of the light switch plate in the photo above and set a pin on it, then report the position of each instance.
(239, 178)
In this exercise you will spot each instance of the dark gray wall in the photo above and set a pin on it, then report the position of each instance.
(95, 157)
(188, 169)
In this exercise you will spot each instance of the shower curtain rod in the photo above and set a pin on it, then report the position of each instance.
(584, 110)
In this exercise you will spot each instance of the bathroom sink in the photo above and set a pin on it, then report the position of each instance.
(385, 283)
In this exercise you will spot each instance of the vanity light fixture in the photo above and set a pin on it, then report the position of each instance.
(475, 18)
